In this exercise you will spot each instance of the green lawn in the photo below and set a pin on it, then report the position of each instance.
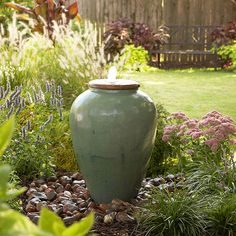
(194, 92)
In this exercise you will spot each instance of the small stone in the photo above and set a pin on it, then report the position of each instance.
(31, 191)
(171, 187)
(68, 187)
(40, 205)
(119, 205)
(69, 220)
(32, 185)
(170, 177)
(83, 204)
(41, 196)
(64, 180)
(123, 217)
(103, 207)
(80, 182)
(43, 187)
(51, 195)
(31, 215)
(39, 182)
(60, 189)
(163, 186)
(34, 201)
(109, 218)
(30, 207)
(59, 210)
(148, 186)
(76, 176)
(52, 179)
(67, 194)
(92, 205)
(83, 209)
(70, 207)
(158, 181)
(35, 219)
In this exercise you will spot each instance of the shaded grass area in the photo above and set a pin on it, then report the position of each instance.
(194, 92)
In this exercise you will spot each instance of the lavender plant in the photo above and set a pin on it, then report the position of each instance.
(37, 113)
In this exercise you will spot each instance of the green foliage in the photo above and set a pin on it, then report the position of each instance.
(175, 214)
(6, 133)
(135, 58)
(210, 139)
(221, 219)
(210, 178)
(228, 53)
(42, 129)
(159, 161)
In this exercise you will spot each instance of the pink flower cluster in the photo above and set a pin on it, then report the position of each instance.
(214, 129)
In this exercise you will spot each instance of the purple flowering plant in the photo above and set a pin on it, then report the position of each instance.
(212, 138)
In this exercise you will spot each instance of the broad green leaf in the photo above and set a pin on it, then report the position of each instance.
(58, 229)
(5, 174)
(14, 223)
(47, 221)
(6, 132)
(81, 228)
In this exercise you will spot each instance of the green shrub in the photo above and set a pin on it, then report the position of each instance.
(228, 53)
(175, 214)
(221, 219)
(135, 58)
(160, 162)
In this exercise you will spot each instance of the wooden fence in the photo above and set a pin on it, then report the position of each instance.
(190, 23)
(157, 12)
(188, 46)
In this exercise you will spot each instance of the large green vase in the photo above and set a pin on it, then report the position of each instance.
(113, 127)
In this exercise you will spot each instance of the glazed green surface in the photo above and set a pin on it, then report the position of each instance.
(113, 135)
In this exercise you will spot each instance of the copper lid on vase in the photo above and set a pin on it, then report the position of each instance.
(117, 84)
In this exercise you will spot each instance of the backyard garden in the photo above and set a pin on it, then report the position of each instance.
(49, 54)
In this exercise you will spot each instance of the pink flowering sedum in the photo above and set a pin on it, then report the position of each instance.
(213, 130)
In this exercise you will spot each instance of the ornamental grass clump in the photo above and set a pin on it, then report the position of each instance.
(175, 214)
(73, 57)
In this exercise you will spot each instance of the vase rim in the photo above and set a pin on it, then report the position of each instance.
(117, 84)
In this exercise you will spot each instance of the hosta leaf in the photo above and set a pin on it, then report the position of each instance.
(47, 221)
(6, 132)
(81, 228)
(5, 174)
(14, 223)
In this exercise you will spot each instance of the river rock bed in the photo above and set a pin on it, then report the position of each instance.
(67, 195)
